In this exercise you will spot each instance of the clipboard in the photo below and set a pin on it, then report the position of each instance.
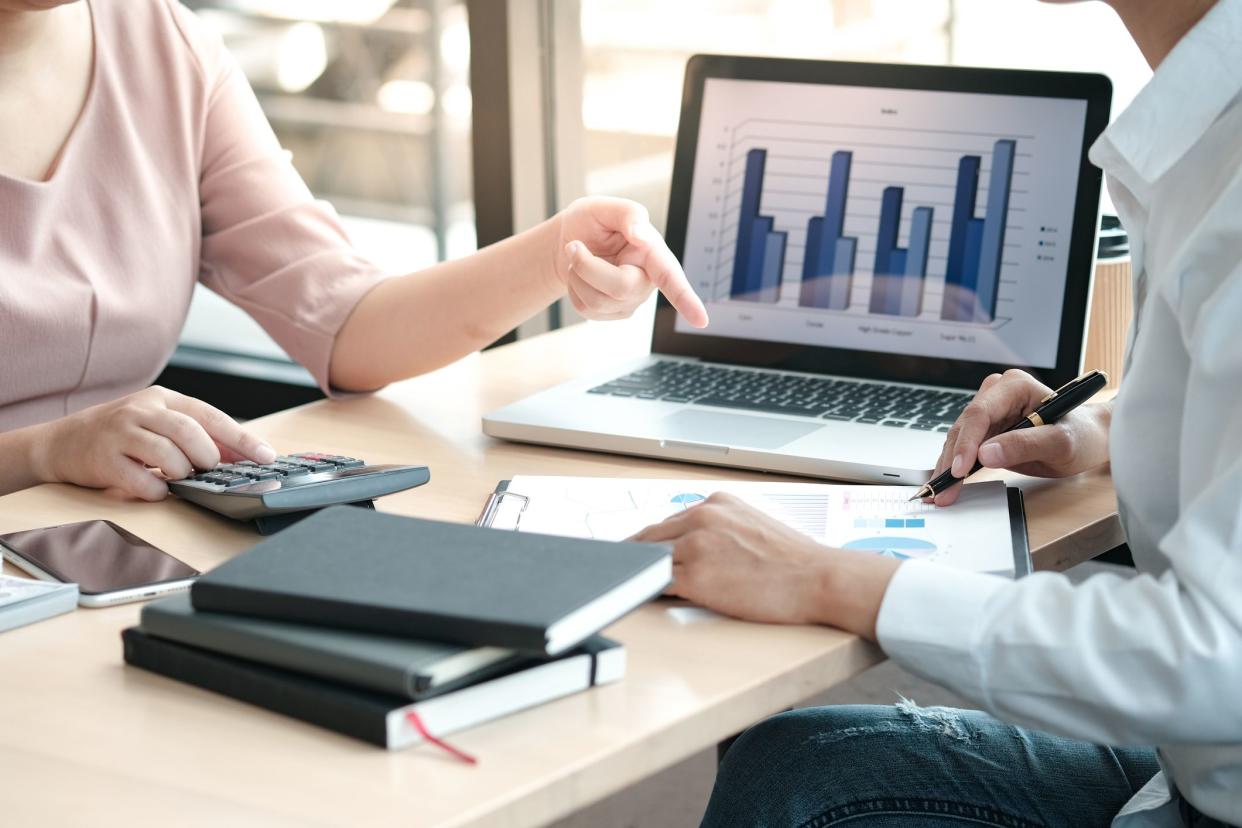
(494, 500)
(1017, 526)
(1022, 565)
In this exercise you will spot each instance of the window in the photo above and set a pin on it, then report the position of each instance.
(372, 99)
(635, 53)
(1084, 37)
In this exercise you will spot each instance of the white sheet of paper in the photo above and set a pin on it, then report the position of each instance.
(693, 615)
(973, 534)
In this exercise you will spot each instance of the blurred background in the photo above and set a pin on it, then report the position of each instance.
(436, 126)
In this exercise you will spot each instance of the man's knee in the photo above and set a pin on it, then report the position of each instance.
(794, 729)
(808, 741)
(793, 764)
(850, 743)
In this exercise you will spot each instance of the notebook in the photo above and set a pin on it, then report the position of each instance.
(985, 531)
(25, 600)
(375, 572)
(378, 718)
(386, 664)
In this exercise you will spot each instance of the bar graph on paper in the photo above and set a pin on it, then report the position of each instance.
(953, 277)
(878, 520)
(905, 221)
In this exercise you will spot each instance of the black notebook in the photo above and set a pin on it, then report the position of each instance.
(375, 572)
(375, 717)
(384, 663)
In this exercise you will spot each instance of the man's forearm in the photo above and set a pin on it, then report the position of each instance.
(850, 588)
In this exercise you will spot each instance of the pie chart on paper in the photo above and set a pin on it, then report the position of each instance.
(893, 547)
(686, 499)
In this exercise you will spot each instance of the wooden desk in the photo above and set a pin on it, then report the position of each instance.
(83, 738)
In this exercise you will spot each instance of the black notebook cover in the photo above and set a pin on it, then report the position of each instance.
(352, 711)
(371, 571)
(384, 663)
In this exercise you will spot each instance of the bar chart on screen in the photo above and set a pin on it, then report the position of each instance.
(893, 220)
(970, 286)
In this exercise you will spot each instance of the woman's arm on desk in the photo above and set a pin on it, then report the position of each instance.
(118, 445)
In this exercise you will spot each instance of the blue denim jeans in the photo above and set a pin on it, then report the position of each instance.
(918, 767)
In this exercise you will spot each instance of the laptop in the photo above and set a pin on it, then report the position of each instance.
(871, 242)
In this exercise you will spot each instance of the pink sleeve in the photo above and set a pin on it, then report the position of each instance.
(267, 245)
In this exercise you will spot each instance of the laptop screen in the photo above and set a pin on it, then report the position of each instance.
(920, 222)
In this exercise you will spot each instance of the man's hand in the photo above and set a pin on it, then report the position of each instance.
(731, 557)
(121, 444)
(610, 258)
(1075, 443)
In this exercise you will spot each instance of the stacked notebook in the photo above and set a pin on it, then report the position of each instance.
(25, 601)
(391, 629)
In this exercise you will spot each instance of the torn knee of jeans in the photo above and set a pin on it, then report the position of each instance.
(840, 734)
(940, 720)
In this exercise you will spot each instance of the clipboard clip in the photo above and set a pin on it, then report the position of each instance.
(493, 505)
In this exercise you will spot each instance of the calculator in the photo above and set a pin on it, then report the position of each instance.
(275, 494)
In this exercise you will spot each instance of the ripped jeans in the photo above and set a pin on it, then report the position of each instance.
(918, 767)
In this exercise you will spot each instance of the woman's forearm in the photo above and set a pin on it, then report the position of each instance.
(21, 458)
(411, 324)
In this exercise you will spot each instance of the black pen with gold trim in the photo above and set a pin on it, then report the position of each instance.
(1051, 408)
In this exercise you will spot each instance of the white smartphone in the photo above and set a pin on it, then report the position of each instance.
(109, 564)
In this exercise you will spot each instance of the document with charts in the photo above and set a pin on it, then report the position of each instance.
(976, 533)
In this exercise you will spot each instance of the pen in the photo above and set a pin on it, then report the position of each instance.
(1051, 408)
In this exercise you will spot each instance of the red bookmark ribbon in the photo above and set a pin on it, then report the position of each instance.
(414, 719)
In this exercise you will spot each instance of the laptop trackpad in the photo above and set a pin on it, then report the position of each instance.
(731, 429)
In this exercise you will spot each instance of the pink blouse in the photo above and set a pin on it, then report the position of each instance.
(171, 174)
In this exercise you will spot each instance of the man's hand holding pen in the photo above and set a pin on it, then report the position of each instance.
(1075, 442)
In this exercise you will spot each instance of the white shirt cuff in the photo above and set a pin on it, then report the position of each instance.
(932, 619)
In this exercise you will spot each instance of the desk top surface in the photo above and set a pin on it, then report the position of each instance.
(113, 743)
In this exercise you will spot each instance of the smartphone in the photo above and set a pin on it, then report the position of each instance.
(109, 564)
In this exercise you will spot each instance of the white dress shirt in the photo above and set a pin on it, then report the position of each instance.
(1154, 660)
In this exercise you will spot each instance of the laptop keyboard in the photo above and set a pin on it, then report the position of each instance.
(898, 406)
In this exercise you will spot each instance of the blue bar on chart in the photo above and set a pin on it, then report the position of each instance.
(976, 245)
(828, 266)
(889, 259)
(843, 272)
(899, 273)
(759, 257)
(959, 281)
(773, 266)
(994, 221)
(911, 295)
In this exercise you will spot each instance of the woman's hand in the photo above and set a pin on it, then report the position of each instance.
(1076, 442)
(610, 258)
(602, 251)
(122, 444)
(733, 558)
